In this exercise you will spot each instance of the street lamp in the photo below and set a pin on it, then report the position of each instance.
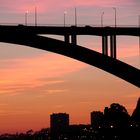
(75, 17)
(115, 16)
(102, 19)
(35, 16)
(65, 12)
(139, 21)
(26, 17)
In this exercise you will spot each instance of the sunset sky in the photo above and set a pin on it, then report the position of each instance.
(35, 83)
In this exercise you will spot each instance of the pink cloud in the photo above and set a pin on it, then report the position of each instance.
(29, 73)
(42, 6)
(46, 5)
(102, 3)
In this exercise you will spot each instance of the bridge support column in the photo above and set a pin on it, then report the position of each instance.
(74, 39)
(105, 45)
(67, 38)
(113, 46)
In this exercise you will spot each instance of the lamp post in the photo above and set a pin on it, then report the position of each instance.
(26, 18)
(139, 21)
(102, 19)
(75, 17)
(35, 16)
(114, 37)
(115, 16)
(65, 12)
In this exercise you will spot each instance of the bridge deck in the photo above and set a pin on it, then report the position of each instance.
(87, 30)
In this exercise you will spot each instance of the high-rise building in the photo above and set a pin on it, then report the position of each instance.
(97, 119)
(59, 120)
(59, 123)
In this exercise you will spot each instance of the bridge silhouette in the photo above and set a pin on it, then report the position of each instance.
(31, 36)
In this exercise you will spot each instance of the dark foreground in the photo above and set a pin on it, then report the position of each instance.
(114, 124)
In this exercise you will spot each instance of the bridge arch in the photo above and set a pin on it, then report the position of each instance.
(108, 64)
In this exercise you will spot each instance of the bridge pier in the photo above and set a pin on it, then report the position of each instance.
(74, 39)
(105, 45)
(113, 46)
(67, 38)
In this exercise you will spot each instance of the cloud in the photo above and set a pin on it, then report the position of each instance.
(51, 91)
(47, 5)
(12, 88)
(12, 112)
(104, 3)
(22, 6)
(36, 72)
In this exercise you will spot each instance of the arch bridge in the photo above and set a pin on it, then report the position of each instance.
(31, 36)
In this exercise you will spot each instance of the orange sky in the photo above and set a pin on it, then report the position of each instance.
(36, 83)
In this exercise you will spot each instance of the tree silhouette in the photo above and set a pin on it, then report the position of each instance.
(116, 116)
(135, 118)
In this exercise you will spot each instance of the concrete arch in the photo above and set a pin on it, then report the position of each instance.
(108, 64)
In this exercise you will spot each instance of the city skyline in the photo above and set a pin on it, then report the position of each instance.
(40, 78)
(60, 121)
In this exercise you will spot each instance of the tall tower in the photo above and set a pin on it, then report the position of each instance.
(59, 123)
(97, 119)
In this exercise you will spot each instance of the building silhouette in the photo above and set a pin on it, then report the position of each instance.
(116, 116)
(97, 119)
(59, 124)
(113, 124)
